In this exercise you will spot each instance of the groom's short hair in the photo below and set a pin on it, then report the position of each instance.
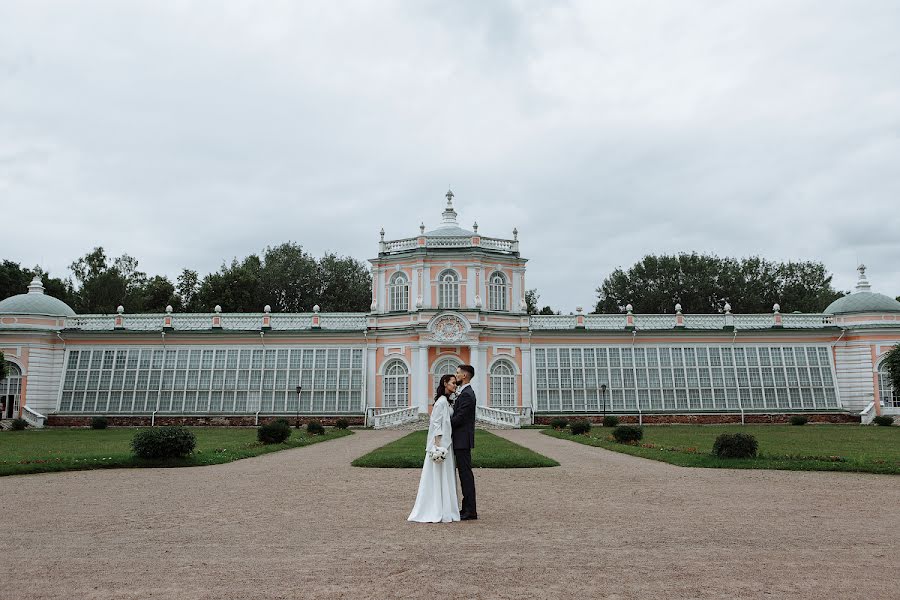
(468, 369)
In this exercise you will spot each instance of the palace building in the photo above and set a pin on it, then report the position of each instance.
(442, 298)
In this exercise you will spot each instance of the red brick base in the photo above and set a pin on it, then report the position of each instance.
(708, 419)
(196, 421)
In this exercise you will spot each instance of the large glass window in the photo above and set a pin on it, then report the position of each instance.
(497, 291)
(213, 380)
(503, 384)
(399, 292)
(448, 289)
(685, 379)
(396, 385)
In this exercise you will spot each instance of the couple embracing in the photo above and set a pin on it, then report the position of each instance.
(448, 448)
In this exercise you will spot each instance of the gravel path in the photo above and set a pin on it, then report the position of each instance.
(304, 523)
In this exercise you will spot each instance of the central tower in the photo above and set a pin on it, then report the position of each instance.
(445, 297)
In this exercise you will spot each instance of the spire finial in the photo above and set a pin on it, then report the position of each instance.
(449, 196)
(475, 227)
(449, 215)
(36, 286)
(863, 284)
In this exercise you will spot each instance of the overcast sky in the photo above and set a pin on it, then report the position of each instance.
(188, 133)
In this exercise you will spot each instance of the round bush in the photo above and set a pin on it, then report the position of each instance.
(341, 424)
(19, 424)
(163, 442)
(799, 420)
(735, 445)
(580, 427)
(883, 420)
(273, 433)
(282, 420)
(625, 434)
(610, 421)
(315, 428)
(559, 423)
(99, 423)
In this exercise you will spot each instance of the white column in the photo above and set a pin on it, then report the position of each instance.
(469, 301)
(413, 290)
(527, 399)
(380, 291)
(518, 293)
(371, 370)
(420, 358)
(426, 287)
(479, 361)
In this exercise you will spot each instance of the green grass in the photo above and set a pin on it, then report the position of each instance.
(44, 450)
(806, 448)
(490, 452)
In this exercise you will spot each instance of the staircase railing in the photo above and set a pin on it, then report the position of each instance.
(508, 417)
(389, 418)
(33, 417)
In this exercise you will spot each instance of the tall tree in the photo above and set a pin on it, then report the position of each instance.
(186, 289)
(346, 285)
(704, 283)
(531, 300)
(4, 370)
(291, 278)
(235, 287)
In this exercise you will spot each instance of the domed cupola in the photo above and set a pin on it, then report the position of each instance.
(35, 302)
(863, 300)
(449, 226)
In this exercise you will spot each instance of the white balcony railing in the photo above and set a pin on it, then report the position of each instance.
(618, 322)
(229, 322)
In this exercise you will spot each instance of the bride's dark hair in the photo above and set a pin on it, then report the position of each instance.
(441, 388)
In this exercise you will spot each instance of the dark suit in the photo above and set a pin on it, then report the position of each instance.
(463, 423)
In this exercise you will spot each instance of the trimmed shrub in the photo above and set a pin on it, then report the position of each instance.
(19, 424)
(883, 420)
(274, 433)
(625, 434)
(610, 421)
(341, 424)
(282, 420)
(735, 445)
(163, 442)
(580, 427)
(315, 428)
(799, 420)
(99, 423)
(559, 423)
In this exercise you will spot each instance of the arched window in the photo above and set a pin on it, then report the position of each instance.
(446, 366)
(396, 385)
(503, 384)
(448, 289)
(888, 396)
(497, 291)
(398, 292)
(10, 392)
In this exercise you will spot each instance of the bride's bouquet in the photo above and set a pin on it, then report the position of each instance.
(438, 454)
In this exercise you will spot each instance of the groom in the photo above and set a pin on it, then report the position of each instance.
(463, 422)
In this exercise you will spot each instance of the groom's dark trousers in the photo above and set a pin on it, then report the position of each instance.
(463, 422)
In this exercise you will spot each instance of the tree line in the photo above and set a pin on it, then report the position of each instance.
(284, 277)
(290, 280)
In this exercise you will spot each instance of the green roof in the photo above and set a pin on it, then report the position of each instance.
(863, 302)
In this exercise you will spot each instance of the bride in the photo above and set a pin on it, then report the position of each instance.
(437, 501)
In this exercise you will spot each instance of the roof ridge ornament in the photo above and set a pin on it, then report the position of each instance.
(863, 284)
(449, 215)
(36, 286)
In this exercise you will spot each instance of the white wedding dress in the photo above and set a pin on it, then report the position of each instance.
(437, 501)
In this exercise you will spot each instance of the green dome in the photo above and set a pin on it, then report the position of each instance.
(863, 302)
(35, 302)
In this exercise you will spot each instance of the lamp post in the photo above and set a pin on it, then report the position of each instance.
(299, 391)
(603, 393)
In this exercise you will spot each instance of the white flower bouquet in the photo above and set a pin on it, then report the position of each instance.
(438, 454)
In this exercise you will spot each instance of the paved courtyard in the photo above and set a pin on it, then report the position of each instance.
(304, 523)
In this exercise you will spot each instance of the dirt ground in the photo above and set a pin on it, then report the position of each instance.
(304, 523)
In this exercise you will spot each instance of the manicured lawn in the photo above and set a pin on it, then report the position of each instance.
(806, 448)
(42, 450)
(490, 452)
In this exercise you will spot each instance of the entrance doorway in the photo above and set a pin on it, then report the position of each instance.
(10, 392)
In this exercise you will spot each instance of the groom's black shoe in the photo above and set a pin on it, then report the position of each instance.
(467, 517)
